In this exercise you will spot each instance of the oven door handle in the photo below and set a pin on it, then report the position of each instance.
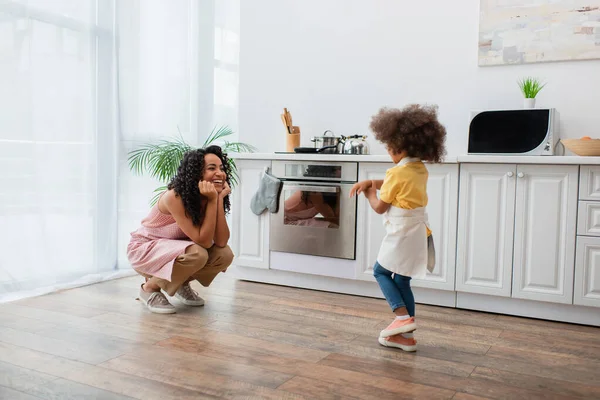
(314, 188)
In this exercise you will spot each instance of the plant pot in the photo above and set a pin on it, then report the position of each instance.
(529, 103)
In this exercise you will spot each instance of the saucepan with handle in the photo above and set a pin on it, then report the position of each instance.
(329, 144)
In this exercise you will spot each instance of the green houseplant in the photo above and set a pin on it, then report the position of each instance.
(530, 87)
(162, 158)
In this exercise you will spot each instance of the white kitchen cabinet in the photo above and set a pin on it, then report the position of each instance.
(442, 191)
(516, 231)
(485, 229)
(587, 272)
(545, 231)
(370, 230)
(587, 261)
(250, 234)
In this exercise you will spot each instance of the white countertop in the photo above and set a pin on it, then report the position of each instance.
(576, 160)
(320, 157)
(467, 158)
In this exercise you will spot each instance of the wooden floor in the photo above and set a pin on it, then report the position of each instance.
(259, 341)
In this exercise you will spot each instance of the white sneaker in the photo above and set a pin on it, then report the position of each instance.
(188, 296)
(156, 302)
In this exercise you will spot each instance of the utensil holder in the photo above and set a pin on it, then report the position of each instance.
(292, 139)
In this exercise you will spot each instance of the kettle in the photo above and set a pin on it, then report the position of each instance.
(356, 144)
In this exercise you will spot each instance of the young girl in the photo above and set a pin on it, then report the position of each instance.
(411, 135)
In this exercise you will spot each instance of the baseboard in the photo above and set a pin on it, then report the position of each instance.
(336, 285)
(530, 309)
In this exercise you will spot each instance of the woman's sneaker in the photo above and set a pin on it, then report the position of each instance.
(399, 326)
(399, 342)
(188, 296)
(156, 302)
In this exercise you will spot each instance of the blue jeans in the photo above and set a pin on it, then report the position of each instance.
(396, 290)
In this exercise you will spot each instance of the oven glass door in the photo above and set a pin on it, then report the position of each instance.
(315, 218)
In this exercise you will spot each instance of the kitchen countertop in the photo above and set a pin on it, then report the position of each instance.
(320, 157)
(467, 158)
(574, 160)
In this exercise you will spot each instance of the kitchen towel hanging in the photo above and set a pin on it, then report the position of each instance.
(267, 194)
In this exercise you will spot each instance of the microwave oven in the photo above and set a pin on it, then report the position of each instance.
(514, 132)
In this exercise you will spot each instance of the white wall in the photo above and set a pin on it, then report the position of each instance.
(333, 63)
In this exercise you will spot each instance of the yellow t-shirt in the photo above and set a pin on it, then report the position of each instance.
(405, 186)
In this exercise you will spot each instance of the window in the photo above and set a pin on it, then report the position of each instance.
(57, 166)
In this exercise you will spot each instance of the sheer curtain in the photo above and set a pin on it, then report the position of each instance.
(83, 82)
(57, 144)
(177, 73)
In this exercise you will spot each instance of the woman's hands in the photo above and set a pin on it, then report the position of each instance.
(221, 236)
(207, 189)
(226, 190)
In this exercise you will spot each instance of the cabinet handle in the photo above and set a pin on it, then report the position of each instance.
(520, 174)
(509, 174)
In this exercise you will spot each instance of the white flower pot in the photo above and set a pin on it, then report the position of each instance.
(529, 103)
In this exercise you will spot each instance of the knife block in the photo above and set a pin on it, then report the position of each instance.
(292, 140)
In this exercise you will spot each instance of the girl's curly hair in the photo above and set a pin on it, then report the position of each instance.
(414, 129)
(189, 173)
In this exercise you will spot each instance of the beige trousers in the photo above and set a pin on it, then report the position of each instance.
(196, 263)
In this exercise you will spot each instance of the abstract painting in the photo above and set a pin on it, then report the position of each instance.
(530, 31)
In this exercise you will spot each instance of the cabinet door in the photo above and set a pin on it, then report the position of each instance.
(545, 229)
(250, 232)
(369, 224)
(442, 191)
(587, 272)
(485, 228)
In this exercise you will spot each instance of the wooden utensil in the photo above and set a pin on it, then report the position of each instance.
(287, 127)
(289, 116)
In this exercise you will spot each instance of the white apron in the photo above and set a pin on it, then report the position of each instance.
(404, 249)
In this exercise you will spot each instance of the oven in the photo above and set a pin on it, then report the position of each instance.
(316, 215)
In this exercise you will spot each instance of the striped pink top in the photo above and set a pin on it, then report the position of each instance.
(156, 244)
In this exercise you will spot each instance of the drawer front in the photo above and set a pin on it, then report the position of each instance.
(588, 219)
(589, 183)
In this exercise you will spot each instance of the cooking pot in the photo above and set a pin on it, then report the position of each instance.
(356, 144)
(328, 144)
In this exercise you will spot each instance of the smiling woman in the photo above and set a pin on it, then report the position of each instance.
(185, 235)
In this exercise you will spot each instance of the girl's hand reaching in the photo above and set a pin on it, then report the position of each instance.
(360, 187)
(370, 192)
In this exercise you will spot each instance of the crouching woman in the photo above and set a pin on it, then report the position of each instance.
(184, 237)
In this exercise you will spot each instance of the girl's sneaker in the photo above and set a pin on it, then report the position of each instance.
(399, 326)
(399, 342)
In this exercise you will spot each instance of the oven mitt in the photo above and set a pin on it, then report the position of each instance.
(267, 195)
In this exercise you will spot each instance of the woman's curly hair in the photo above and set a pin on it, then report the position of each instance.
(189, 173)
(414, 129)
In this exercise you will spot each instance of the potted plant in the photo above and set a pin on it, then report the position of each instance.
(530, 87)
(161, 159)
